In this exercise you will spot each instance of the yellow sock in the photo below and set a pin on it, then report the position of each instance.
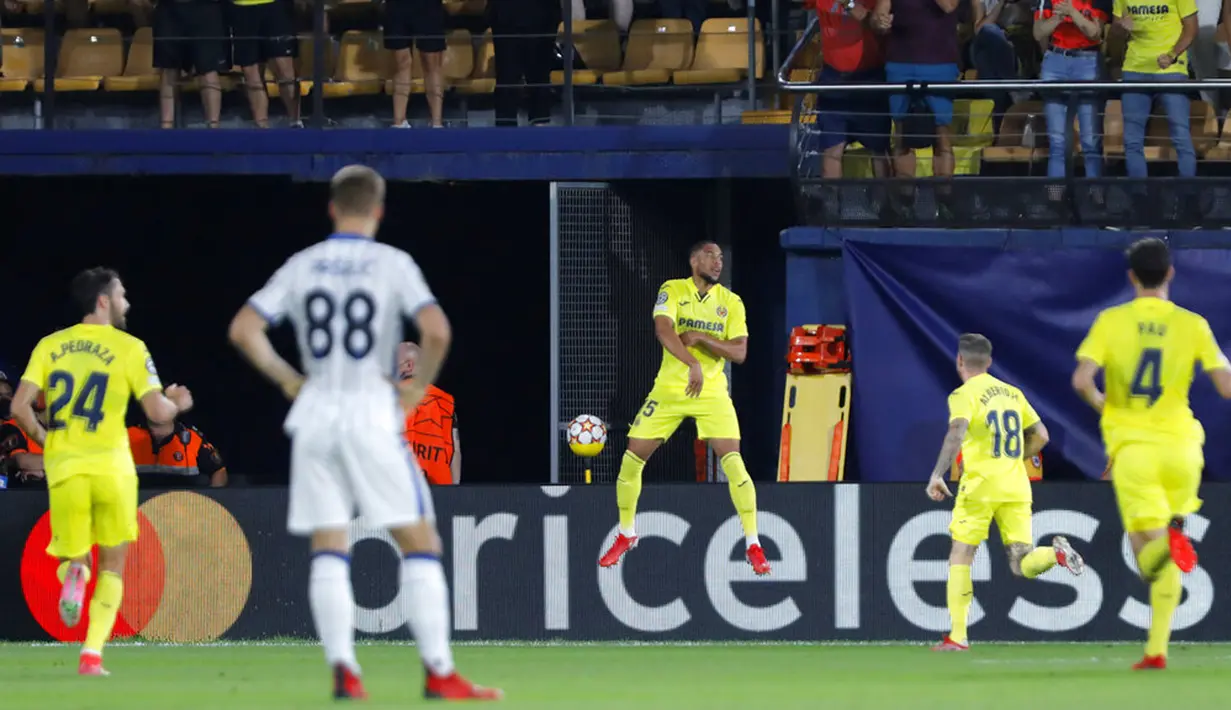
(743, 493)
(1153, 557)
(103, 609)
(628, 490)
(1038, 561)
(1165, 593)
(960, 593)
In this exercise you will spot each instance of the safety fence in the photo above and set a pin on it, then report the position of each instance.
(851, 562)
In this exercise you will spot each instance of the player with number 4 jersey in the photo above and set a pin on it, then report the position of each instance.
(89, 372)
(996, 430)
(347, 298)
(1148, 350)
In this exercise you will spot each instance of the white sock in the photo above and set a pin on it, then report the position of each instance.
(333, 607)
(628, 533)
(751, 540)
(427, 610)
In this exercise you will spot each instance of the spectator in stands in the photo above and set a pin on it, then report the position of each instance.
(21, 458)
(923, 47)
(1209, 53)
(175, 456)
(1160, 32)
(190, 35)
(621, 11)
(424, 22)
(431, 429)
(523, 37)
(851, 53)
(1072, 31)
(263, 31)
(992, 53)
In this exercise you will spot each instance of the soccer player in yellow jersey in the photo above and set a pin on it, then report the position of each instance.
(996, 430)
(89, 371)
(1148, 350)
(700, 324)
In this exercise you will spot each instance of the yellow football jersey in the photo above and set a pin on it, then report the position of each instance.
(1148, 349)
(88, 373)
(719, 313)
(999, 415)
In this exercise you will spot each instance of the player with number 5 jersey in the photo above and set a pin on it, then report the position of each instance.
(347, 298)
(88, 373)
(996, 430)
(1148, 350)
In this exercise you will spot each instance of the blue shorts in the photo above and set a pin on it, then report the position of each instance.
(856, 116)
(901, 72)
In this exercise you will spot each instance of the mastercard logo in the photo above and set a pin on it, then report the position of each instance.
(187, 577)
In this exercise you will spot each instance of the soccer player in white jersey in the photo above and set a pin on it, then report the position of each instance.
(346, 298)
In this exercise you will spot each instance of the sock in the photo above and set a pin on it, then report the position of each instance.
(333, 607)
(62, 571)
(743, 494)
(1038, 561)
(960, 593)
(427, 609)
(1164, 598)
(103, 609)
(628, 490)
(1154, 555)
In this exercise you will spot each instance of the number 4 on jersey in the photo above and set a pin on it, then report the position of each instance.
(1147, 380)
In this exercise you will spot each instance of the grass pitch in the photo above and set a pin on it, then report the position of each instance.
(632, 677)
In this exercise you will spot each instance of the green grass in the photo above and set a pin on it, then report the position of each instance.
(633, 677)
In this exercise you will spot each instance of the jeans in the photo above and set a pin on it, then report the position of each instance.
(1060, 67)
(1136, 107)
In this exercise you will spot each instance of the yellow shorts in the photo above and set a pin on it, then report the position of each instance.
(659, 418)
(973, 518)
(92, 509)
(1156, 482)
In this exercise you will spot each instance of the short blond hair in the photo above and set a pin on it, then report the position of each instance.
(356, 191)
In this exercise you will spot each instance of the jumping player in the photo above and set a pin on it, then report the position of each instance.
(346, 298)
(700, 323)
(1148, 349)
(88, 372)
(997, 431)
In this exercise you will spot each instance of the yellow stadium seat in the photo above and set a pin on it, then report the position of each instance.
(139, 72)
(1011, 146)
(1222, 151)
(721, 55)
(598, 44)
(972, 123)
(86, 56)
(482, 79)
(458, 63)
(656, 49)
(23, 58)
(363, 66)
(762, 117)
(304, 66)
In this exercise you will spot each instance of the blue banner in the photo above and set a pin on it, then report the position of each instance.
(908, 304)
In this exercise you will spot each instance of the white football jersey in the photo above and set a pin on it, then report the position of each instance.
(347, 298)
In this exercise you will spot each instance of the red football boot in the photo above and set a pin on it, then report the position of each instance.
(1151, 663)
(756, 558)
(346, 685)
(948, 644)
(455, 687)
(1182, 552)
(91, 664)
(621, 545)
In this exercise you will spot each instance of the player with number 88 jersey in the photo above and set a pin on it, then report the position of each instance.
(346, 298)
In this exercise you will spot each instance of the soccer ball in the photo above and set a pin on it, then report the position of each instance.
(587, 434)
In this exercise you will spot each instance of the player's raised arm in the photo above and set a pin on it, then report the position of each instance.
(248, 333)
(163, 407)
(23, 412)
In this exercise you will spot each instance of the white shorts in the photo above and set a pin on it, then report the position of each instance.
(334, 471)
